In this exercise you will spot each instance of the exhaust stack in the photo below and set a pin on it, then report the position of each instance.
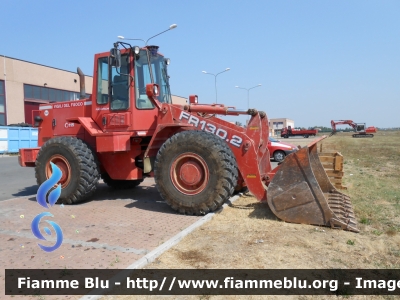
(82, 93)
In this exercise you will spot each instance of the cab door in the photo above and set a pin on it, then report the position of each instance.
(113, 113)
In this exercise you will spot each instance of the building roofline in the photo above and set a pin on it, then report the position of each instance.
(2, 55)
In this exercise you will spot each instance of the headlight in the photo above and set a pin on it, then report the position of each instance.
(136, 49)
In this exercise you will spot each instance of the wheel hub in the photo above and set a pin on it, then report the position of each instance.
(189, 173)
(62, 163)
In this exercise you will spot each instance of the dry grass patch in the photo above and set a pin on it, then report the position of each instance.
(255, 238)
(373, 177)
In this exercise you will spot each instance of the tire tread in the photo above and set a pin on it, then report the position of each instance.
(88, 165)
(228, 171)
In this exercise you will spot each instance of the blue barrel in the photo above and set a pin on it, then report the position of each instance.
(14, 138)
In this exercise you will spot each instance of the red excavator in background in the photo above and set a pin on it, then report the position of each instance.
(359, 128)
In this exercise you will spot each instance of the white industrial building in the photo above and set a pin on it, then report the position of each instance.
(277, 124)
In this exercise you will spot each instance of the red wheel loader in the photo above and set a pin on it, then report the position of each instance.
(128, 129)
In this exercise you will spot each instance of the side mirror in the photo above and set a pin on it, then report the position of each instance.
(152, 92)
(114, 60)
(193, 99)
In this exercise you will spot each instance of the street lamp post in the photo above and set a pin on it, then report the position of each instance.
(215, 77)
(173, 26)
(248, 90)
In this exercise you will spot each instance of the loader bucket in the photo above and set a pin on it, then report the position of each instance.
(300, 192)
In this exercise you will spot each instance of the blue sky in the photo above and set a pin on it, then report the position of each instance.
(316, 60)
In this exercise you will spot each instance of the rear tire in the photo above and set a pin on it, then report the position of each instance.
(195, 172)
(78, 164)
(279, 156)
(306, 136)
(120, 184)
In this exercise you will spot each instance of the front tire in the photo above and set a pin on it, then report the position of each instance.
(195, 172)
(78, 164)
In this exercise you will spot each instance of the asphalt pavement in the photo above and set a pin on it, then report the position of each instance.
(15, 181)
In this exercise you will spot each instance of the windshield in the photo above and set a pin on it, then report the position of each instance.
(273, 140)
(143, 77)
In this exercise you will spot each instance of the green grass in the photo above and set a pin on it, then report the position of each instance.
(374, 186)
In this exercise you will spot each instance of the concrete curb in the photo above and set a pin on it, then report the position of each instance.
(151, 256)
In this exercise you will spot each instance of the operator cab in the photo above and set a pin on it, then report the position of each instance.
(121, 77)
(360, 127)
(149, 67)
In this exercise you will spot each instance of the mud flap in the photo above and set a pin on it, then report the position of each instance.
(300, 192)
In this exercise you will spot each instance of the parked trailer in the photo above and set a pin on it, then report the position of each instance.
(288, 132)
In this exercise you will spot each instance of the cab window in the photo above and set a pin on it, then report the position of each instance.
(102, 81)
(120, 85)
